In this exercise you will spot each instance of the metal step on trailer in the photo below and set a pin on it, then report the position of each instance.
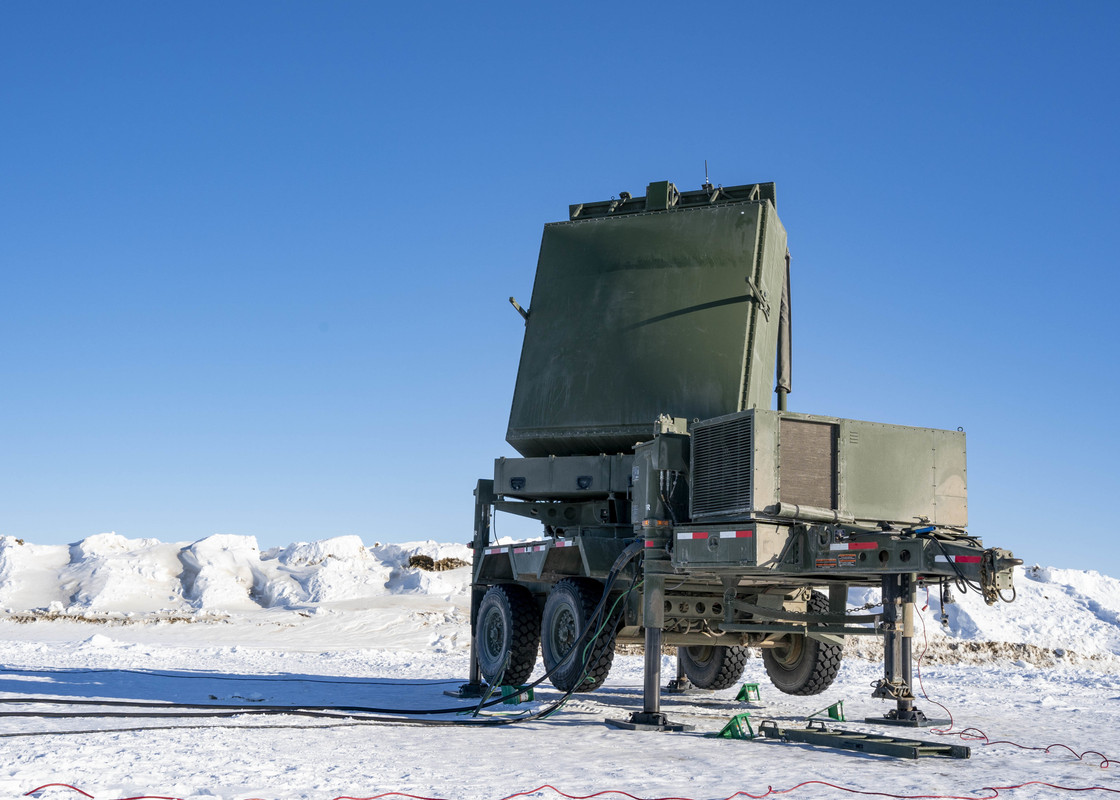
(817, 734)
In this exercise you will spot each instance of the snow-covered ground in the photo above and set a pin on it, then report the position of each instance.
(336, 623)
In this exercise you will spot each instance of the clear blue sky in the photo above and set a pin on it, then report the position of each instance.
(255, 256)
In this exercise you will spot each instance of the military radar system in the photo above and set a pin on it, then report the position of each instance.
(677, 507)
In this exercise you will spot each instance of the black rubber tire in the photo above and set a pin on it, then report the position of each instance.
(567, 610)
(507, 633)
(713, 666)
(800, 665)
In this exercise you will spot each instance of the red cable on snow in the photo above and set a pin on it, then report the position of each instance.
(386, 794)
(770, 791)
(585, 796)
(65, 785)
(918, 671)
(977, 735)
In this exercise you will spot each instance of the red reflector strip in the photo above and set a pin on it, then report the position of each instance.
(959, 559)
(521, 549)
(735, 534)
(494, 550)
(565, 543)
(852, 546)
(651, 543)
(692, 535)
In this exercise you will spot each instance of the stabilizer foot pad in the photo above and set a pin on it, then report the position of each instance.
(469, 691)
(630, 725)
(924, 722)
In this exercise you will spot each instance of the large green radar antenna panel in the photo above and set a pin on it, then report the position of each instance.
(643, 306)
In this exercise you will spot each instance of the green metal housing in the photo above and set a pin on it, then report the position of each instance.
(636, 314)
(806, 467)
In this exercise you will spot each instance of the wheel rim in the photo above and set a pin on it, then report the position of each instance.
(564, 632)
(701, 654)
(787, 653)
(494, 635)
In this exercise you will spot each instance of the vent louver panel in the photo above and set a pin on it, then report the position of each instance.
(809, 457)
(722, 467)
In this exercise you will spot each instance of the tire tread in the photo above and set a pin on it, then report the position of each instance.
(826, 661)
(525, 634)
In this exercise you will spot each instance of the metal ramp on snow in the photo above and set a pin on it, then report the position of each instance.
(863, 742)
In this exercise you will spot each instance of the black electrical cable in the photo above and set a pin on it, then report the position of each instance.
(351, 720)
(216, 706)
(963, 583)
(221, 677)
(221, 725)
(243, 709)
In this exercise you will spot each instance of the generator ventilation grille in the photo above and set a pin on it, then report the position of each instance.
(722, 467)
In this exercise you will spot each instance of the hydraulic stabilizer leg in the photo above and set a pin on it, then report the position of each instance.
(483, 500)
(899, 593)
(651, 688)
(651, 718)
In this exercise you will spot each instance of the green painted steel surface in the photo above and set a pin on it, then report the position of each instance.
(668, 312)
(826, 469)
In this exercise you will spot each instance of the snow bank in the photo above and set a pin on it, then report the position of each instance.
(108, 574)
(1059, 611)
(223, 572)
(29, 574)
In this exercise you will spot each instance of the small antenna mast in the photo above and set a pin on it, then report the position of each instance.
(707, 182)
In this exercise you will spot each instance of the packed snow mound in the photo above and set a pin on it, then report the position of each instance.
(30, 574)
(222, 574)
(1060, 610)
(310, 554)
(108, 572)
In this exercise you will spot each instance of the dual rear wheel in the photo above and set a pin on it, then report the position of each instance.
(510, 625)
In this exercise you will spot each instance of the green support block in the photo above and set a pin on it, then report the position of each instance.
(748, 692)
(515, 695)
(734, 729)
(834, 711)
